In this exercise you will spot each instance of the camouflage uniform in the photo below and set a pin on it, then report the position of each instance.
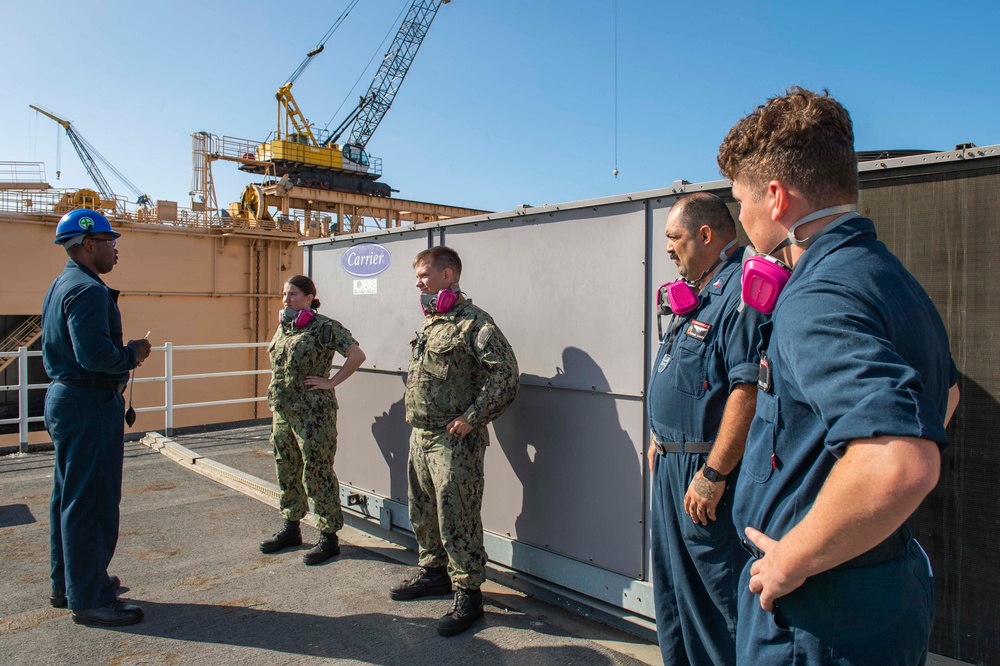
(460, 365)
(304, 429)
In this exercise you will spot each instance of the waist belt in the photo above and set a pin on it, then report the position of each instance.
(100, 384)
(664, 448)
(891, 548)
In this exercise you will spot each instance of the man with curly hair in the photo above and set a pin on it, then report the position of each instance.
(852, 404)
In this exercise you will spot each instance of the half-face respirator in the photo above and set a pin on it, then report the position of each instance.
(441, 302)
(677, 297)
(764, 276)
(680, 297)
(299, 318)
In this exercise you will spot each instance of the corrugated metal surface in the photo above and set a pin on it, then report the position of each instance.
(943, 222)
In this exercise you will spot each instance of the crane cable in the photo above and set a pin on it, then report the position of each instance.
(615, 172)
(33, 143)
(316, 50)
(378, 50)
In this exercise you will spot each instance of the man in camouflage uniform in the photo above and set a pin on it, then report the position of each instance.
(462, 376)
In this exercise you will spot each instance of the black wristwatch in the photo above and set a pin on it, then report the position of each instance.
(713, 475)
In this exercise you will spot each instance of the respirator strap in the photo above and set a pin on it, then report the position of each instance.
(722, 257)
(849, 211)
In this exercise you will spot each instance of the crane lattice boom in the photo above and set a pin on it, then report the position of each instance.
(89, 156)
(395, 65)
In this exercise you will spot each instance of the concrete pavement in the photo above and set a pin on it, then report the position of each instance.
(188, 555)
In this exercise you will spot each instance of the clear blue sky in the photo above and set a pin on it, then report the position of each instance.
(508, 101)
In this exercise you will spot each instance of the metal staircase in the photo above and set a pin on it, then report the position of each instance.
(23, 336)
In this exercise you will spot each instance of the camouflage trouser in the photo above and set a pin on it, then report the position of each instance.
(304, 444)
(446, 498)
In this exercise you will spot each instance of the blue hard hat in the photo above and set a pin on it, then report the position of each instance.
(82, 222)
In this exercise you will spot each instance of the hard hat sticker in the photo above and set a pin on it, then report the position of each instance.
(86, 223)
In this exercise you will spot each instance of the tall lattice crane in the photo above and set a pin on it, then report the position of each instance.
(322, 162)
(376, 102)
(90, 156)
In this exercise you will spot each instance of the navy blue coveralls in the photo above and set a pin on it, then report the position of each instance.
(82, 344)
(696, 567)
(856, 349)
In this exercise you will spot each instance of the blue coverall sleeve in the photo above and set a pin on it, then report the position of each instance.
(87, 315)
(852, 374)
(742, 336)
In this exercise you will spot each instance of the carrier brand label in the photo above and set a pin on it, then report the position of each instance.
(366, 260)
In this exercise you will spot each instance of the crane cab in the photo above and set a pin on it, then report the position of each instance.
(355, 157)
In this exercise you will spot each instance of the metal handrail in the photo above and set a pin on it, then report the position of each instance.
(23, 386)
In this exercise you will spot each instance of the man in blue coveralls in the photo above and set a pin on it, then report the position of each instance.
(701, 398)
(84, 357)
(855, 389)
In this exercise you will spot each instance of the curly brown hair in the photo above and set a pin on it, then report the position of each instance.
(803, 139)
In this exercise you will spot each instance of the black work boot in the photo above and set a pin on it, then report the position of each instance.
(431, 581)
(468, 608)
(328, 546)
(290, 535)
(115, 614)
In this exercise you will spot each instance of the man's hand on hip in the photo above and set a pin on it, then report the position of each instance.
(767, 577)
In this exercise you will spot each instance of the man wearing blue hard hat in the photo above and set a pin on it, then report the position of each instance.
(84, 357)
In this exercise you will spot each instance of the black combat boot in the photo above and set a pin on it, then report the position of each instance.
(468, 608)
(290, 535)
(431, 581)
(328, 546)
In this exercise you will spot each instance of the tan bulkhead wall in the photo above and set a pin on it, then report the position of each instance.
(185, 286)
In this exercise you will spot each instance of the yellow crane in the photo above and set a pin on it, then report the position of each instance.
(315, 158)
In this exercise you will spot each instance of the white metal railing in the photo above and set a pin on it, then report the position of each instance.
(23, 386)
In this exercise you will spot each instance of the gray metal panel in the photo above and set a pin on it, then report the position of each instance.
(384, 322)
(563, 280)
(569, 288)
(372, 435)
(564, 473)
(566, 290)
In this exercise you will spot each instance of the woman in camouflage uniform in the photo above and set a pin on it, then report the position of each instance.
(304, 405)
